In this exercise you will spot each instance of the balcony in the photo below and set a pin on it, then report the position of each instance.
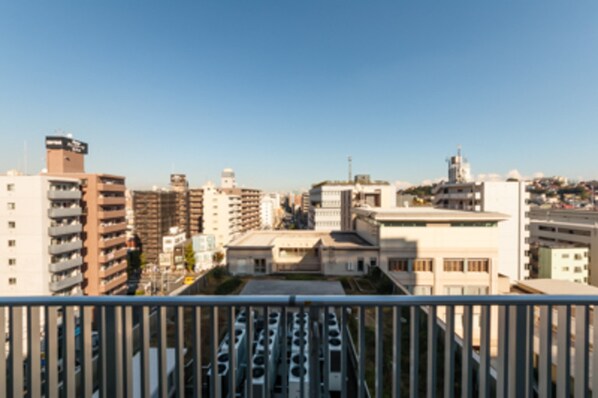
(74, 194)
(66, 283)
(107, 229)
(65, 229)
(113, 256)
(104, 243)
(61, 212)
(104, 215)
(111, 188)
(113, 269)
(105, 287)
(350, 346)
(62, 266)
(65, 247)
(105, 201)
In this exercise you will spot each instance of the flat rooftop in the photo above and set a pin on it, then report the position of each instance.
(554, 286)
(265, 239)
(277, 287)
(426, 214)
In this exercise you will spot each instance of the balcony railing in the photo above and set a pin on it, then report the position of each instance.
(299, 346)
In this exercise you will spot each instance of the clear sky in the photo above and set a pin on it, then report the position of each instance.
(283, 91)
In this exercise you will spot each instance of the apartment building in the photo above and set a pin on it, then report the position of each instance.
(155, 213)
(267, 214)
(331, 202)
(196, 211)
(180, 185)
(40, 234)
(250, 206)
(576, 227)
(506, 197)
(561, 261)
(221, 215)
(104, 222)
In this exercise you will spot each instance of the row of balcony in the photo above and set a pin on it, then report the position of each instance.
(104, 243)
(121, 266)
(116, 254)
(66, 283)
(67, 229)
(74, 194)
(111, 187)
(107, 286)
(65, 247)
(62, 212)
(109, 200)
(61, 266)
(106, 229)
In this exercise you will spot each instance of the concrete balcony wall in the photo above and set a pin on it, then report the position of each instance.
(104, 215)
(61, 212)
(62, 266)
(114, 269)
(66, 283)
(102, 244)
(111, 188)
(106, 201)
(64, 195)
(107, 286)
(113, 256)
(106, 229)
(65, 247)
(65, 230)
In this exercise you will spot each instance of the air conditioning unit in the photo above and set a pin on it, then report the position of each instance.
(299, 366)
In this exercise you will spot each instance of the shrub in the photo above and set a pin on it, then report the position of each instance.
(219, 272)
(229, 286)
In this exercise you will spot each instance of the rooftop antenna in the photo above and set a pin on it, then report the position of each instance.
(350, 170)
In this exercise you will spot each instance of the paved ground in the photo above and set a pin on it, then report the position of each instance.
(278, 287)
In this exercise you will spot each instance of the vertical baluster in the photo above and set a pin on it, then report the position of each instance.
(467, 360)
(180, 351)
(485, 333)
(361, 363)
(162, 356)
(267, 353)
(144, 323)
(414, 353)
(563, 384)
(87, 352)
(197, 372)
(3, 369)
(449, 353)
(68, 341)
(594, 351)
(16, 351)
(396, 351)
(432, 354)
(34, 368)
(215, 378)
(582, 348)
(379, 351)
(545, 353)
(285, 348)
(128, 350)
(503, 352)
(302, 354)
(249, 331)
(51, 353)
(232, 358)
(344, 353)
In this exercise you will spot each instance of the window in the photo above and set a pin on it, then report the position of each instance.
(360, 264)
(565, 269)
(422, 265)
(478, 265)
(10, 187)
(398, 264)
(373, 261)
(12, 243)
(578, 256)
(454, 265)
(453, 290)
(422, 290)
(11, 205)
(577, 270)
(12, 281)
(475, 290)
(12, 225)
(12, 261)
(565, 256)
(259, 265)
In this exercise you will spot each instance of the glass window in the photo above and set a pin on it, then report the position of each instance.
(12, 281)
(453, 290)
(10, 187)
(12, 261)
(12, 243)
(11, 205)
(478, 265)
(422, 265)
(454, 265)
(12, 224)
(398, 264)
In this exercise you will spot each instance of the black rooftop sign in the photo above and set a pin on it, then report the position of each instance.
(69, 144)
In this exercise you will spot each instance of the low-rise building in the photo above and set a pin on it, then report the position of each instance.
(204, 247)
(561, 261)
(328, 253)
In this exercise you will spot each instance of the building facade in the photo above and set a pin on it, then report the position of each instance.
(155, 213)
(221, 215)
(331, 202)
(563, 262)
(577, 227)
(104, 216)
(40, 234)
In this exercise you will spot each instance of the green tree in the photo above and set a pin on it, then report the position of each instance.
(143, 260)
(189, 257)
(133, 263)
(218, 257)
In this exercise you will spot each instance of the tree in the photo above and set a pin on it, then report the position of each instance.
(133, 263)
(189, 257)
(218, 257)
(143, 260)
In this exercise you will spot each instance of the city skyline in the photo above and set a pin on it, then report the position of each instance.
(284, 93)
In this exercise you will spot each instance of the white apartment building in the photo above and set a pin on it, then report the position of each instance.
(578, 227)
(221, 215)
(204, 247)
(330, 202)
(40, 231)
(435, 251)
(267, 212)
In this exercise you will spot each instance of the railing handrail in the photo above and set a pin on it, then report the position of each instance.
(301, 300)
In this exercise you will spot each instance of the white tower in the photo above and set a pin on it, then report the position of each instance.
(459, 170)
(227, 179)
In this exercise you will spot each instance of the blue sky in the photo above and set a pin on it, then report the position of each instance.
(283, 91)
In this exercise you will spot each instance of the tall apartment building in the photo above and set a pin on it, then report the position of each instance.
(506, 197)
(267, 212)
(577, 227)
(104, 223)
(196, 211)
(155, 213)
(250, 206)
(40, 236)
(179, 185)
(331, 202)
(221, 215)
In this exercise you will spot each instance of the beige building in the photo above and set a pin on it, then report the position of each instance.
(328, 253)
(221, 215)
(435, 251)
(196, 211)
(563, 262)
(104, 223)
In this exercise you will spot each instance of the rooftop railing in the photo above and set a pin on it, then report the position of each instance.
(298, 346)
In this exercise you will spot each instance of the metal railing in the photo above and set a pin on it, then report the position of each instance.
(299, 346)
